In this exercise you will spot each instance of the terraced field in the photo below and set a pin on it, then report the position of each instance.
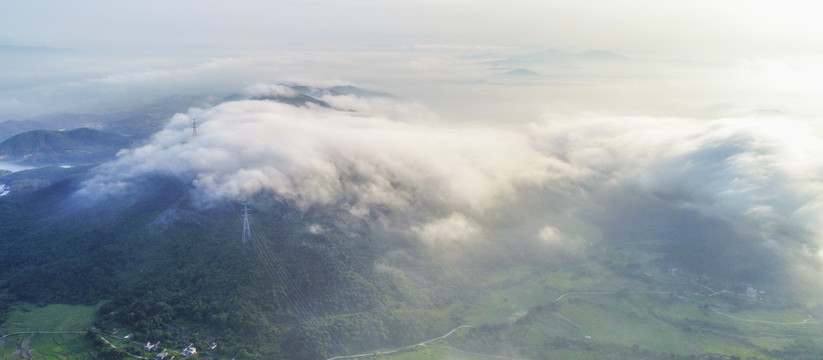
(50, 332)
(590, 312)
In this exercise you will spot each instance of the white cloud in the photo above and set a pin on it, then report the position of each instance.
(454, 229)
(261, 90)
(324, 157)
(550, 235)
(761, 174)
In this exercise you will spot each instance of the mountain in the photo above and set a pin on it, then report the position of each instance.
(340, 90)
(10, 128)
(82, 145)
(313, 285)
(521, 73)
(552, 56)
(138, 121)
(169, 267)
(26, 181)
(297, 99)
(148, 258)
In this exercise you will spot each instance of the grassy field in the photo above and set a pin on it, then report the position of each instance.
(623, 320)
(585, 311)
(72, 320)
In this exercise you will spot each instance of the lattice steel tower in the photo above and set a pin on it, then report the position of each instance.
(246, 229)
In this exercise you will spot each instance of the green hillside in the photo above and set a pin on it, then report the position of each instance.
(170, 270)
(47, 146)
(159, 268)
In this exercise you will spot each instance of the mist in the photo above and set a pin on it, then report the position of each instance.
(740, 189)
(524, 168)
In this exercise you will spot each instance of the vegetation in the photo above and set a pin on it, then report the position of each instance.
(61, 331)
(178, 274)
(81, 145)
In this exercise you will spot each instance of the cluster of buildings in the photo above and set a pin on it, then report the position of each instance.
(188, 351)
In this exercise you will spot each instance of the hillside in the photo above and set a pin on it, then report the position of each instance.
(169, 271)
(169, 268)
(312, 232)
(73, 146)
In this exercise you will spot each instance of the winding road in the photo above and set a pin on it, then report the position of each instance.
(612, 292)
(762, 321)
(424, 343)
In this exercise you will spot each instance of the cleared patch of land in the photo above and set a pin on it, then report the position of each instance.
(49, 332)
(588, 311)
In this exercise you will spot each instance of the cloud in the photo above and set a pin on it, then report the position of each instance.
(312, 156)
(550, 235)
(749, 187)
(262, 90)
(456, 228)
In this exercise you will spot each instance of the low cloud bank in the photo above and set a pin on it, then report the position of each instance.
(315, 156)
(762, 177)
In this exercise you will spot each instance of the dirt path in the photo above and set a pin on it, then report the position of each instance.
(478, 354)
(570, 321)
(25, 350)
(612, 293)
(41, 332)
(424, 343)
(804, 321)
(724, 291)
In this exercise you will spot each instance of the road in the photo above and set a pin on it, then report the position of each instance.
(612, 292)
(804, 321)
(375, 353)
(710, 289)
(25, 351)
(762, 321)
(477, 354)
(41, 332)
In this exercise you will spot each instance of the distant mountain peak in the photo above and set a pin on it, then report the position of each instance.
(521, 72)
(58, 146)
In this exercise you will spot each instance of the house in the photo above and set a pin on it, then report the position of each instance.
(212, 346)
(189, 351)
(751, 292)
(150, 347)
(161, 355)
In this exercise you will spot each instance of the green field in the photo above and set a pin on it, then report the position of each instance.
(50, 332)
(600, 314)
(647, 313)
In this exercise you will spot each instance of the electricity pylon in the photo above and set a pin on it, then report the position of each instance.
(246, 229)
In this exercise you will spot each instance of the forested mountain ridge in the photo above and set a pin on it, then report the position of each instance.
(359, 257)
(168, 267)
(48, 146)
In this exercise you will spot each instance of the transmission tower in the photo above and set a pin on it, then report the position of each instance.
(246, 229)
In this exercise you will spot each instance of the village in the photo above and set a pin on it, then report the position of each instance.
(164, 353)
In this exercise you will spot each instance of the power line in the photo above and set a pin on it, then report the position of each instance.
(307, 314)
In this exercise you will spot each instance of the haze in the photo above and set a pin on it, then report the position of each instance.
(706, 106)
(704, 58)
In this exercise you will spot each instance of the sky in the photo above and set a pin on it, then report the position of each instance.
(640, 27)
(85, 56)
(555, 108)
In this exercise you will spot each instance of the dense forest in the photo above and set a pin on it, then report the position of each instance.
(169, 268)
(81, 145)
